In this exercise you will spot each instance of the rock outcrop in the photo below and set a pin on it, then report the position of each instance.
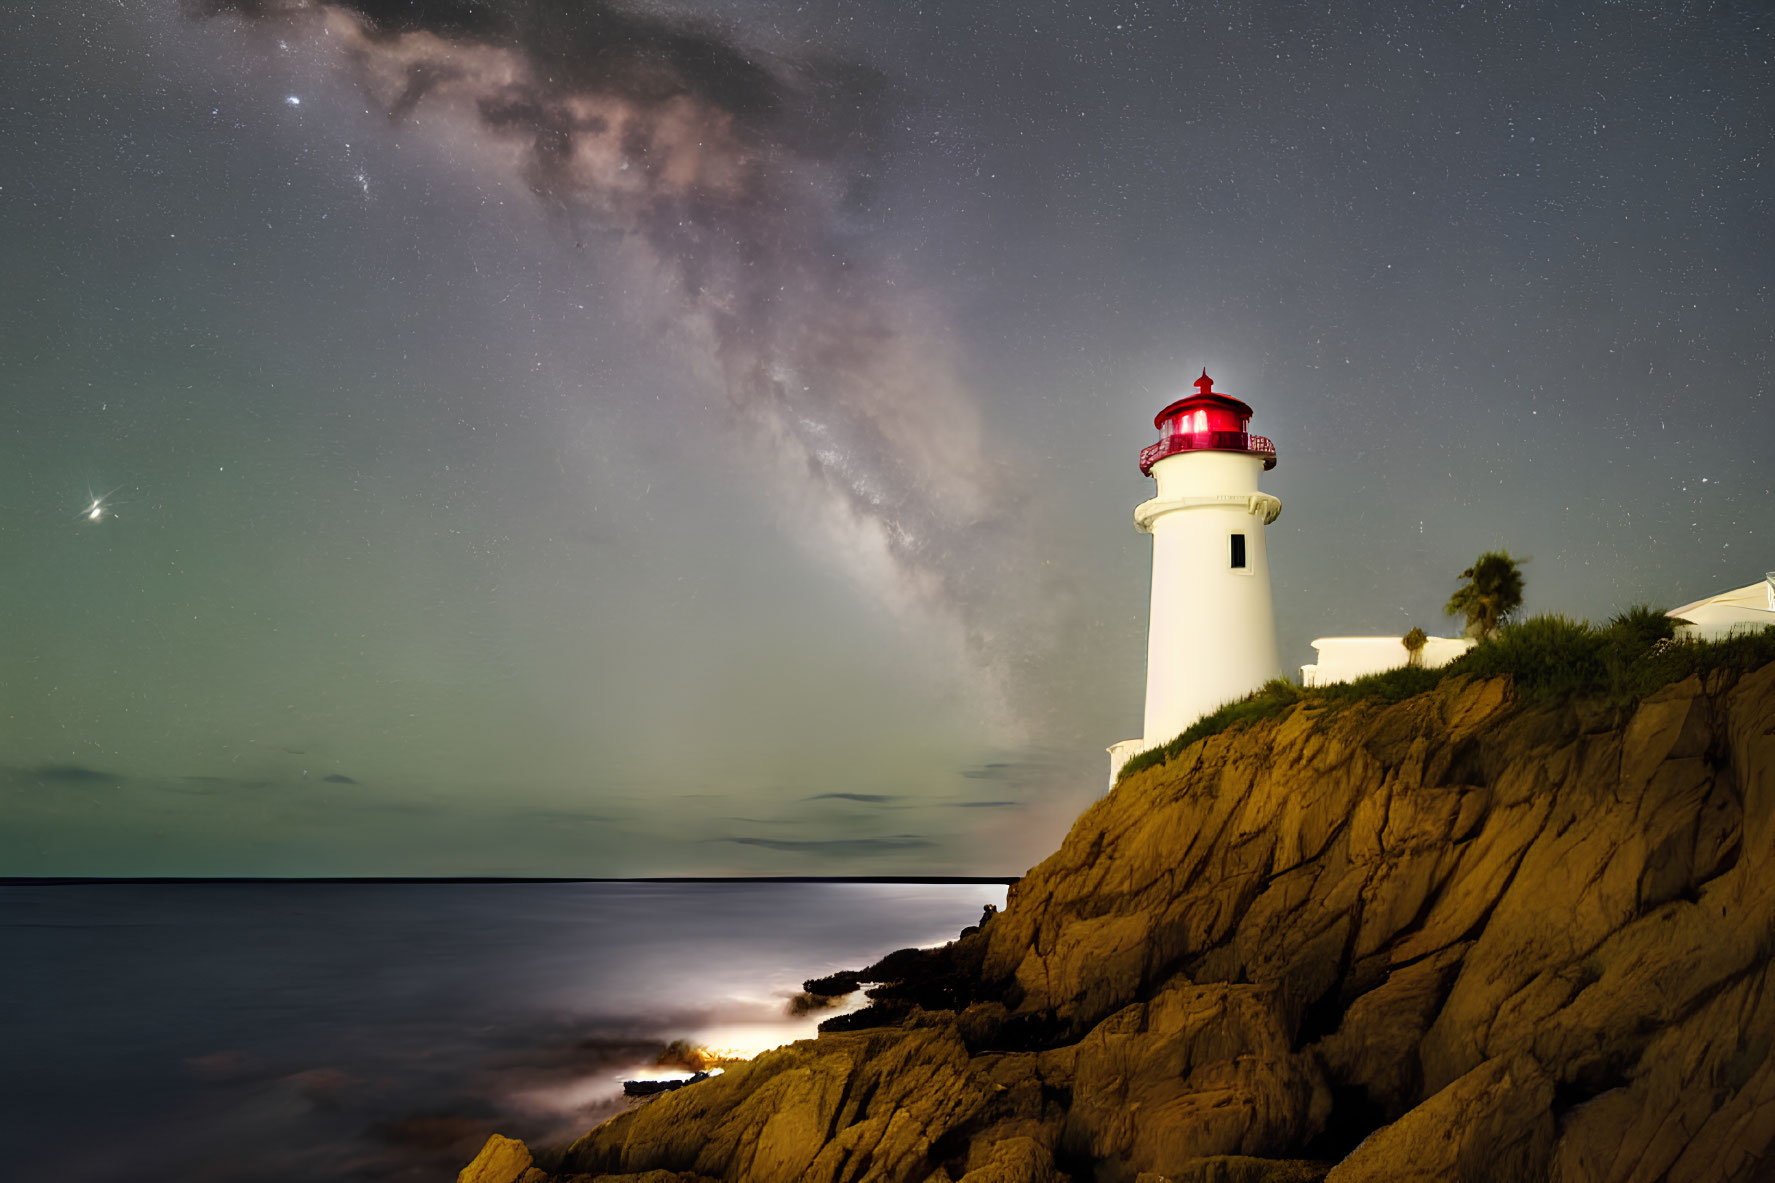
(1444, 939)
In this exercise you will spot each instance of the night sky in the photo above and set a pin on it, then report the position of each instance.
(588, 440)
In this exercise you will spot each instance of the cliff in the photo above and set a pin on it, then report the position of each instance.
(1448, 938)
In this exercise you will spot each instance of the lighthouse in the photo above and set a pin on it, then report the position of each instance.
(1211, 635)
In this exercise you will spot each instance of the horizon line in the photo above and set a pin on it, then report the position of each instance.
(95, 880)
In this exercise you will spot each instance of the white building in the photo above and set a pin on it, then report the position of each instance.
(1211, 634)
(1344, 659)
(1743, 610)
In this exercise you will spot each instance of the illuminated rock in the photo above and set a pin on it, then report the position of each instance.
(501, 1160)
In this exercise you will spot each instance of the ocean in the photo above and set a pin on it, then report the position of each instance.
(296, 1031)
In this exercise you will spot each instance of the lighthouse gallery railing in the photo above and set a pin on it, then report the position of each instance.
(1208, 441)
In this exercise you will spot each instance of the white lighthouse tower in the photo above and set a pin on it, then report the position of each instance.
(1211, 637)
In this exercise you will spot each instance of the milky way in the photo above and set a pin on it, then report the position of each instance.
(735, 169)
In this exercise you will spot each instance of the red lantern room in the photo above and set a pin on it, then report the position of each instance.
(1205, 422)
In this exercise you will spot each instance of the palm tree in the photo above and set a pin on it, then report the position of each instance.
(1492, 593)
(1414, 643)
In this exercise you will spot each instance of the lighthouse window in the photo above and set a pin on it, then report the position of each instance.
(1238, 551)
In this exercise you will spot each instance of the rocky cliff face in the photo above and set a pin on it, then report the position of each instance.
(1442, 939)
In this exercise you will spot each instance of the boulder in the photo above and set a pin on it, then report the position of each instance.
(1493, 1123)
(501, 1160)
(1197, 1071)
(1015, 1160)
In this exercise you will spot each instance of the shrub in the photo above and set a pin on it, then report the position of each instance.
(1550, 657)
(1545, 656)
(1394, 685)
(1676, 660)
(1636, 631)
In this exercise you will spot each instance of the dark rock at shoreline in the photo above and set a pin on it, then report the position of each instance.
(835, 986)
(652, 1088)
(1442, 939)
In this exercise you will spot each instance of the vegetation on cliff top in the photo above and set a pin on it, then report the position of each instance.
(1547, 658)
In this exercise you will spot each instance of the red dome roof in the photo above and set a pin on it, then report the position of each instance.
(1205, 396)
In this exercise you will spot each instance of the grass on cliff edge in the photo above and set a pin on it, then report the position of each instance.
(1547, 658)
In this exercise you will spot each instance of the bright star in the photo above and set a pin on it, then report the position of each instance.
(96, 510)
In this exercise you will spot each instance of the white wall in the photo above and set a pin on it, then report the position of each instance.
(1342, 659)
(1120, 754)
(1715, 622)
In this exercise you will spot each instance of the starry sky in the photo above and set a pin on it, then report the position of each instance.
(540, 439)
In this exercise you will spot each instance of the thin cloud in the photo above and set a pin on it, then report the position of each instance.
(224, 782)
(892, 844)
(565, 817)
(68, 774)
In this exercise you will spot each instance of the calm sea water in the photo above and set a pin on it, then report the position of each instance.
(315, 1031)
